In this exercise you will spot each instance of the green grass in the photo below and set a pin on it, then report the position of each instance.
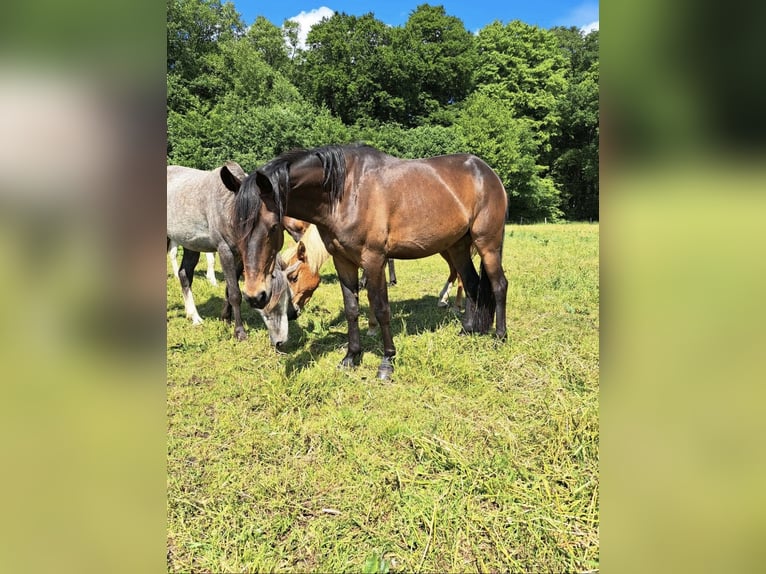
(478, 456)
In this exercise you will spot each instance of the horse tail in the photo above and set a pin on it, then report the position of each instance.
(484, 315)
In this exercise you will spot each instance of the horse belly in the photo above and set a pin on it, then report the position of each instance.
(414, 242)
(195, 236)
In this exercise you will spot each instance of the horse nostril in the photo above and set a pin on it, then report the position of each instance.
(259, 300)
(278, 345)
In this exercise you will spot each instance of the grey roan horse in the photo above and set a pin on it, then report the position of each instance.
(199, 218)
(370, 207)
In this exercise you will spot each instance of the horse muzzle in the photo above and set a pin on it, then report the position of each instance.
(257, 300)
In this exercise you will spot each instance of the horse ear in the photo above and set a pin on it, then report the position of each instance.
(232, 175)
(301, 252)
(264, 183)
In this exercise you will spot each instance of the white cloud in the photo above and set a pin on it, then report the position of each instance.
(307, 19)
(584, 16)
(588, 28)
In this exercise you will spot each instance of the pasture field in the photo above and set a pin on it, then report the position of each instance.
(478, 456)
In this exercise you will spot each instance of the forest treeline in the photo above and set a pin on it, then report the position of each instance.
(523, 98)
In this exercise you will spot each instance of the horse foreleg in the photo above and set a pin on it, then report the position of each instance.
(372, 322)
(348, 273)
(378, 293)
(211, 269)
(231, 271)
(186, 277)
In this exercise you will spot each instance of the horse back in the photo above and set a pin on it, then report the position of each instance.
(195, 203)
(420, 207)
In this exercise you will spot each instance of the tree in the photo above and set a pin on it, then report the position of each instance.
(575, 148)
(270, 42)
(437, 59)
(344, 67)
(195, 29)
(509, 145)
(523, 65)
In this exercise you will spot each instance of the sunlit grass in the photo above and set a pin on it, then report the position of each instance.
(478, 456)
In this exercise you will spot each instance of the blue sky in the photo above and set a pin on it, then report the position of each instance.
(475, 14)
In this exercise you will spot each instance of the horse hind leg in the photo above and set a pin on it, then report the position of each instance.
(460, 256)
(494, 288)
(444, 294)
(211, 269)
(372, 322)
(186, 277)
(173, 254)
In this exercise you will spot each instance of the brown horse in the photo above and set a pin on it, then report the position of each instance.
(370, 207)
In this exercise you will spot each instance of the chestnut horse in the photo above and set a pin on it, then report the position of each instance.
(370, 207)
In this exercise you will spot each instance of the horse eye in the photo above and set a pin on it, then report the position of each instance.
(274, 228)
(292, 278)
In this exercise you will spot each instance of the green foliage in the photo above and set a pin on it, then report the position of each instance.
(376, 565)
(522, 98)
(344, 66)
(422, 141)
(437, 60)
(521, 64)
(575, 148)
(490, 130)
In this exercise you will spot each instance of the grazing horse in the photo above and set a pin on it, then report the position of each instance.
(200, 209)
(370, 207)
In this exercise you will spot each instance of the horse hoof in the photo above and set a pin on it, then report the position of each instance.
(442, 304)
(349, 362)
(240, 334)
(385, 372)
(196, 320)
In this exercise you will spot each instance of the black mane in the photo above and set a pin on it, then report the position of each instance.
(277, 171)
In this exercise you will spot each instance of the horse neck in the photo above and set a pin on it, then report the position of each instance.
(307, 199)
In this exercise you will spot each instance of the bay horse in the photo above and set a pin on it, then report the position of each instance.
(370, 207)
(200, 214)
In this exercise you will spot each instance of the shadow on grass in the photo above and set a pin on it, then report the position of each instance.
(408, 317)
(212, 307)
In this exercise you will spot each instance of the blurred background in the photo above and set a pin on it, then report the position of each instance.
(82, 155)
(82, 360)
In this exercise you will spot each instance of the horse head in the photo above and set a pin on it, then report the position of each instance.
(257, 217)
(279, 309)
